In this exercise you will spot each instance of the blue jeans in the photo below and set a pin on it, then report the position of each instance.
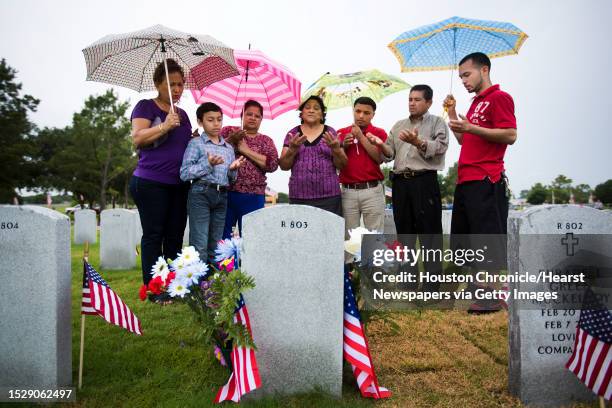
(239, 205)
(206, 207)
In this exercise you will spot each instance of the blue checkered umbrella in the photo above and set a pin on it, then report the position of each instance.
(442, 45)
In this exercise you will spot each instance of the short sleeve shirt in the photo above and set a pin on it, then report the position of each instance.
(360, 166)
(162, 160)
(479, 158)
(251, 178)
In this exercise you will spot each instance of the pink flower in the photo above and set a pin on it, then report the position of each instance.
(219, 356)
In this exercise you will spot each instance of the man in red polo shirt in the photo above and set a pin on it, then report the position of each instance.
(480, 205)
(362, 180)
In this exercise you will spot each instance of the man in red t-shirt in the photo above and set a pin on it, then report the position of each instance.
(362, 180)
(480, 204)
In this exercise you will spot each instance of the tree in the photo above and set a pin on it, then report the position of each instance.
(95, 150)
(48, 143)
(16, 167)
(447, 187)
(386, 169)
(561, 188)
(537, 194)
(581, 193)
(283, 198)
(603, 192)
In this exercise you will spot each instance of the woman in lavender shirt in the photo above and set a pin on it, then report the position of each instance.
(161, 138)
(313, 153)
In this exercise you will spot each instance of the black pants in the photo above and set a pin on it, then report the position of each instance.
(163, 216)
(417, 209)
(480, 207)
(331, 204)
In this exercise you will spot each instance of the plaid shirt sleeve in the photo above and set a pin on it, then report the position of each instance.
(231, 174)
(195, 161)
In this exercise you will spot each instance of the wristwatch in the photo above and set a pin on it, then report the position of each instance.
(423, 145)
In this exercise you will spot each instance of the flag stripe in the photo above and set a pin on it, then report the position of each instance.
(591, 359)
(593, 363)
(356, 350)
(245, 373)
(586, 352)
(98, 298)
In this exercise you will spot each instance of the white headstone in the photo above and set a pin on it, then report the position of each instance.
(295, 253)
(447, 216)
(137, 228)
(35, 327)
(541, 340)
(117, 248)
(389, 222)
(85, 226)
(186, 234)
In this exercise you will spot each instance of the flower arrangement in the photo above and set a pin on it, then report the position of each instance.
(212, 293)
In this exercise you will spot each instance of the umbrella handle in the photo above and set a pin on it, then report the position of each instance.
(168, 83)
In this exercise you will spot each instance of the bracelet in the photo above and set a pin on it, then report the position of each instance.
(161, 128)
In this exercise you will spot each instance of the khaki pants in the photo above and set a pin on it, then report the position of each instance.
(369, 202)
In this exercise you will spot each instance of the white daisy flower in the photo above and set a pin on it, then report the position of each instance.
(177, 264)
(160, 269)
(178, 287)
(192, 273)
(189, 255)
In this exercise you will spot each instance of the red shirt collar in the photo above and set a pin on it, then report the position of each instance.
(368, 128)
(488, 91)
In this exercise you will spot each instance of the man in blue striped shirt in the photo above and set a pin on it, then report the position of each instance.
(210, 164)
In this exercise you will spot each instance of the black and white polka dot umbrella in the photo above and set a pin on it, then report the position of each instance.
(130, 59)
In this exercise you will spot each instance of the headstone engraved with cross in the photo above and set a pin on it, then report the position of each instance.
(542, 337)
(570, 242)
(296, 255)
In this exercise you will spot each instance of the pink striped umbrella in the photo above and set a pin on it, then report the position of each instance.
(261, 79)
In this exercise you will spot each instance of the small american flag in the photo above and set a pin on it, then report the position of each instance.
(99, 298)
(245, 373)
(591, 360)
(356, 350)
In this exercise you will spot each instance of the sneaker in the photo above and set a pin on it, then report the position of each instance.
(161, 299)
(485, 306)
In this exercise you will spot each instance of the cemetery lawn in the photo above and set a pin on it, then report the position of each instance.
(442, 359)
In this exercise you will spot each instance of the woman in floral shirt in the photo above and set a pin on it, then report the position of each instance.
(247, 194)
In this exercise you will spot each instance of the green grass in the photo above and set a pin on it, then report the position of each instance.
(433, 358)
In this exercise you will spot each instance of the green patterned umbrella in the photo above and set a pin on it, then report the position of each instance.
(339, 91)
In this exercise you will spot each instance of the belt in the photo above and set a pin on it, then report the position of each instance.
(213, 186)
(412, 173)
(361, 186)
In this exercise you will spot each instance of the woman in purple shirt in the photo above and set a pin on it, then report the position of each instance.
(313, 153)
(161, 138)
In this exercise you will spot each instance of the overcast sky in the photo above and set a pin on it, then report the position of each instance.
(560, 80)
